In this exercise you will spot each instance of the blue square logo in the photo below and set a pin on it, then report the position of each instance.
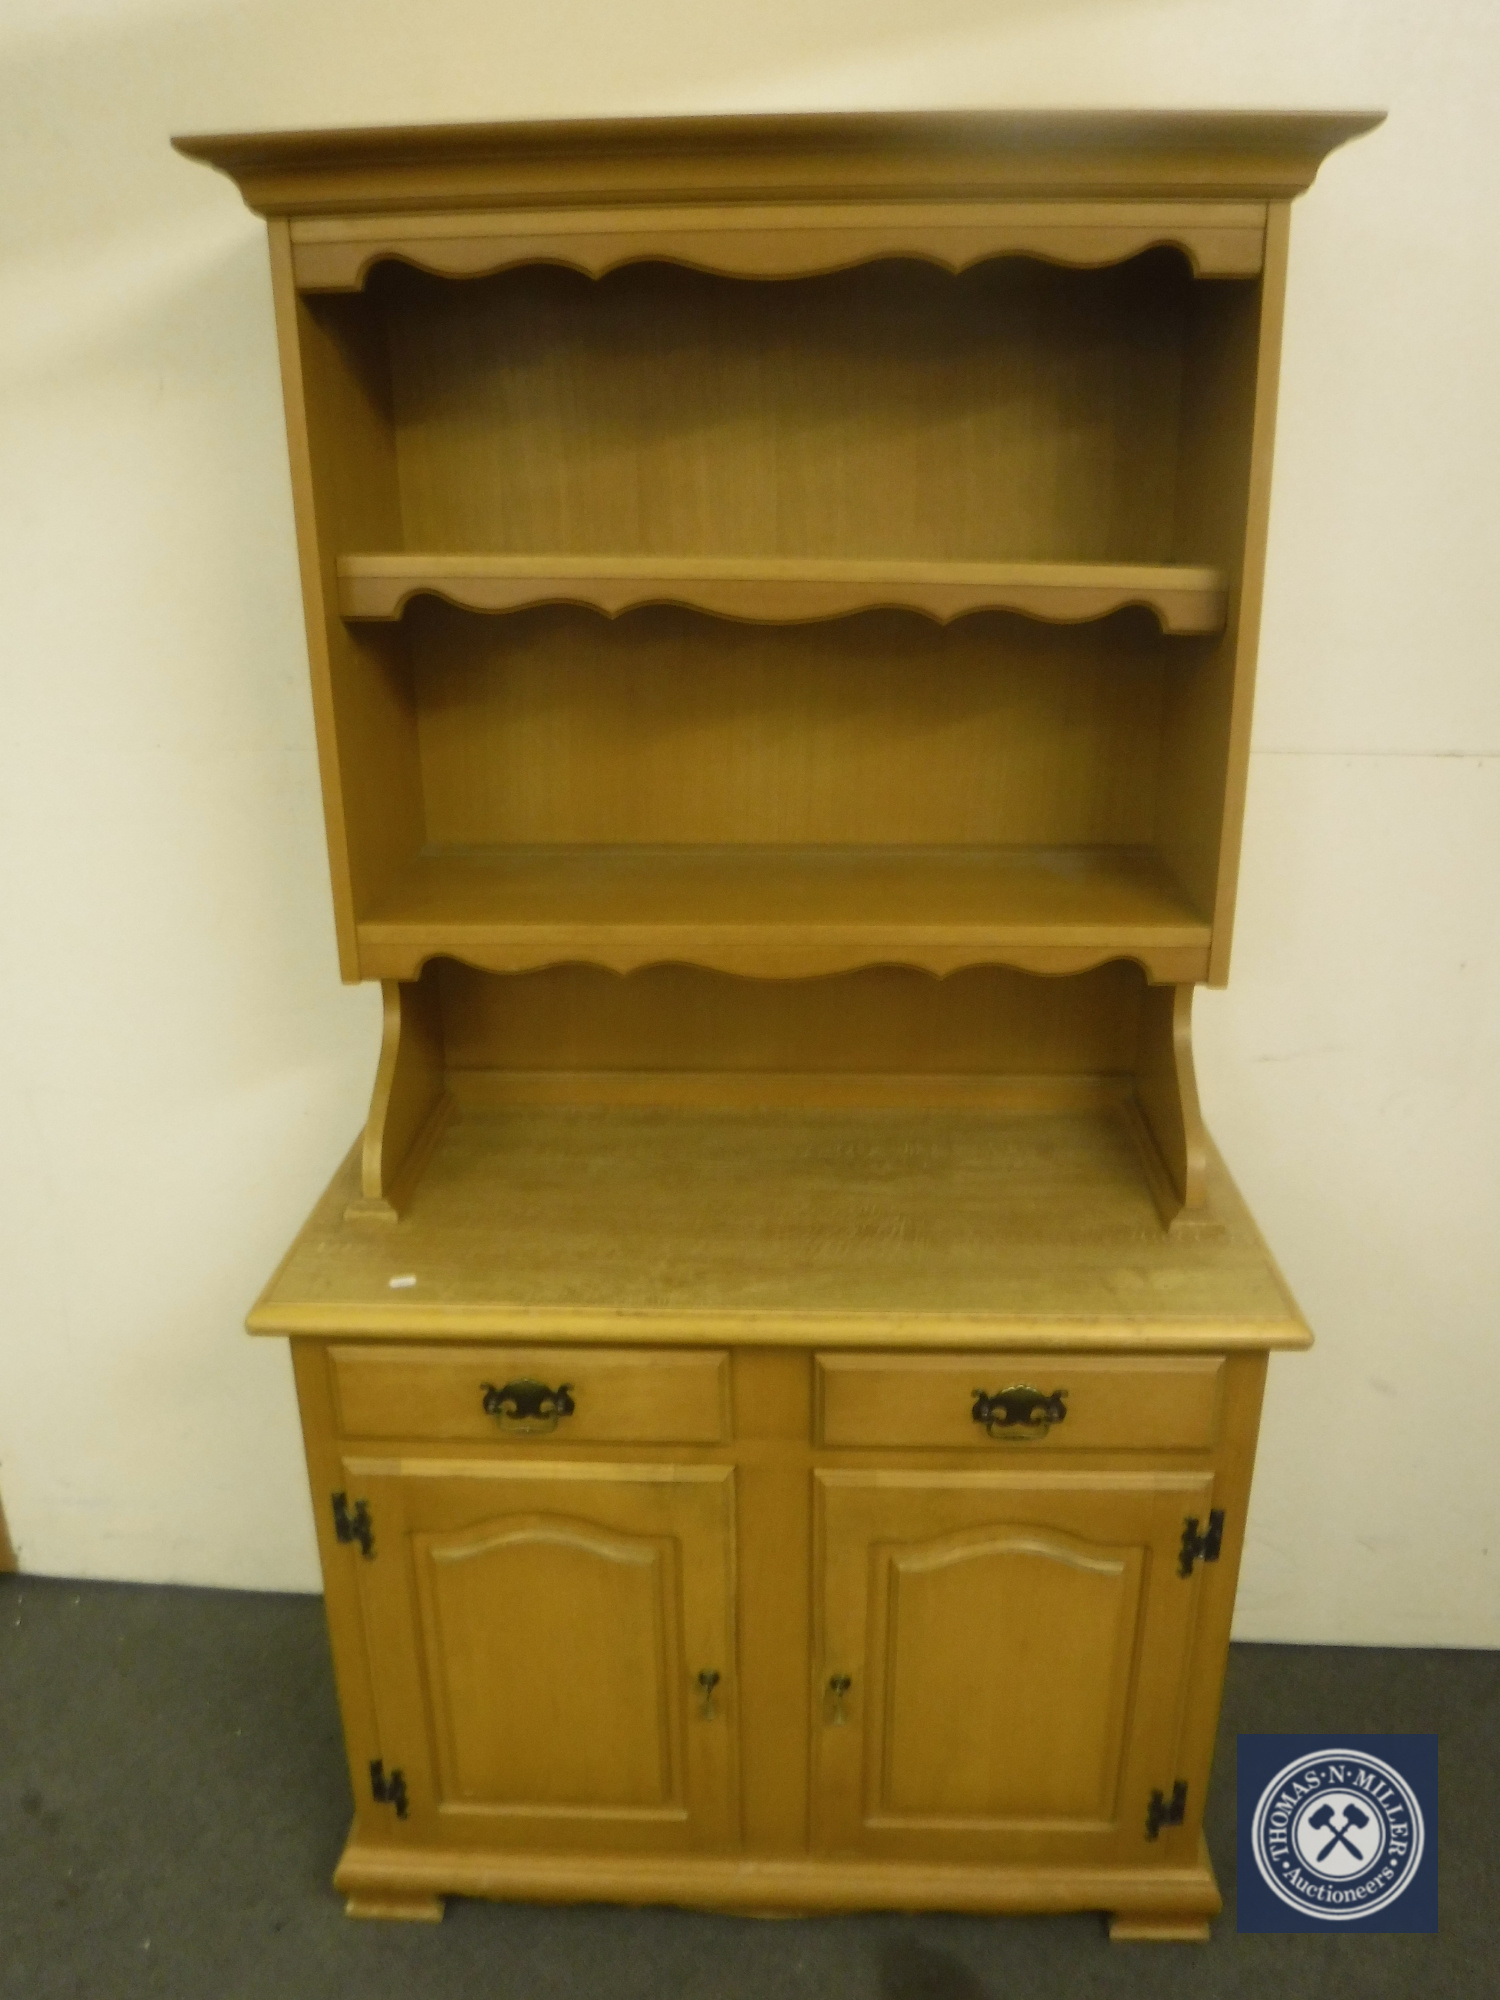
(1337, 1833)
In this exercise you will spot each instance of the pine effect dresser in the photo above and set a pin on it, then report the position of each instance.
(781, 1368)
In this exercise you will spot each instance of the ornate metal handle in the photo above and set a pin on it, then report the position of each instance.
(1016, 1414)
(708, 1680)
(838, 1686)
(529, 1407)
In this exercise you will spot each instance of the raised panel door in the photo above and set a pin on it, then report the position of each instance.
(536, 1633)
(1000, 1661)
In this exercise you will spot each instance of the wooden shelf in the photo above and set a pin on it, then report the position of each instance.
(785, 911)
(786, 590)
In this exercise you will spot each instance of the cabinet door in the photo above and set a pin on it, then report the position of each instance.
(535, 1633)
(1015, 1649)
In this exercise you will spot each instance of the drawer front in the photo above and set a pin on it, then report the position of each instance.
(1032, 1402)
(505, 1394)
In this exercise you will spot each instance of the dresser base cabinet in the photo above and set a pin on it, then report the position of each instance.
(768, 1673)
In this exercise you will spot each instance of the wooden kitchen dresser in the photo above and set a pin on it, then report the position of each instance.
(781, 1369)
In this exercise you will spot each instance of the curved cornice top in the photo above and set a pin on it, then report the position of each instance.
(861, 156)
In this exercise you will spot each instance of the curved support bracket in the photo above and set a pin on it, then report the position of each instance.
(1163, 1105)
(410, 1104)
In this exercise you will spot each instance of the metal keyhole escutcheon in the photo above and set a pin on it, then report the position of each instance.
(708, 1680)
(838, 1687)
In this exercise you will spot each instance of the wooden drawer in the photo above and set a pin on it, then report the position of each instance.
(619, 1395)
(1131, 1403)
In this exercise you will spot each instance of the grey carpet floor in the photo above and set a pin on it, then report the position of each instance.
(173, 1798)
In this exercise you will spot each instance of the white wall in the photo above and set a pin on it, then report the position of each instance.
(180, 1066)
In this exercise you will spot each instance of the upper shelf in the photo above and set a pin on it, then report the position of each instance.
(785, 590)
(784, 912)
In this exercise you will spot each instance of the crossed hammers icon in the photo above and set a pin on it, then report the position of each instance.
(1323, 1817)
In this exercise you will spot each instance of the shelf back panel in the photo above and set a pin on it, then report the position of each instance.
(584, 1021)
(1014, 411)
(558, 726)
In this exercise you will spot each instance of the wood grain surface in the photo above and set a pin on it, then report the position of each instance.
(1015, 413)
(836, 1228)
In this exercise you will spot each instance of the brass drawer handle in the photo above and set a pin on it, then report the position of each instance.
(527, 1407)
(1017, 1414)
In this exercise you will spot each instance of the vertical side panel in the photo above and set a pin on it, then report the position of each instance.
(1244, 1389)
(711, 1540)
(1223, 502)
(399, 1697)
(771, 1396)
(341, 1603)
(341, 446)
(1252, 583)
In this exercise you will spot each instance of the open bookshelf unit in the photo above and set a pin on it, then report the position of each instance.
(794, 550)
(902, 479)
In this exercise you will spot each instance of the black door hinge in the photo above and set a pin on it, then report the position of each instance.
(355, 1526)
(1166, 1812)
(1200, 1548)
(391, 1791)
